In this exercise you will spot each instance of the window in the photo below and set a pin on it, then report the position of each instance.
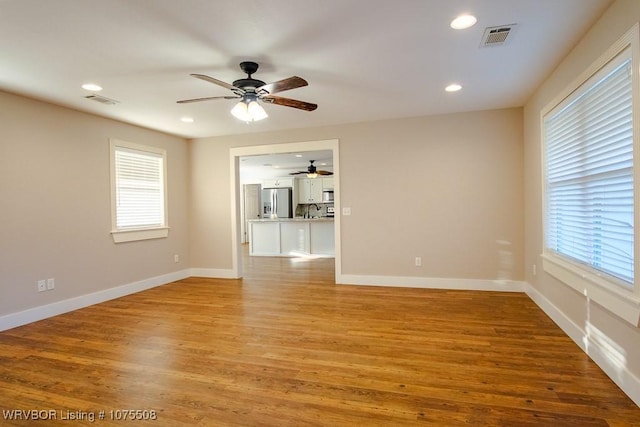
(138, 192)
(589, 184)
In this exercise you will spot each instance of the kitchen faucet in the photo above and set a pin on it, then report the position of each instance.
(312, 204)
(316, 206)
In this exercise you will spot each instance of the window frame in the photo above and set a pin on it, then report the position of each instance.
(623, 301)
(130, 234)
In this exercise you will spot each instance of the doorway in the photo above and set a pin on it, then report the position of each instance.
(236, 193)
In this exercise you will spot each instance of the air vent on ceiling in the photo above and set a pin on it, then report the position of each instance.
(497, 36)
(102, 99)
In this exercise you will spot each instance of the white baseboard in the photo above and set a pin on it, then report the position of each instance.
(24, 317)
(610, 363)
(432, 283)
(213, 273)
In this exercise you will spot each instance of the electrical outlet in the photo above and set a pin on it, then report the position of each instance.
(51, 284)
(176, 258)
(42, 285)
(418, 261)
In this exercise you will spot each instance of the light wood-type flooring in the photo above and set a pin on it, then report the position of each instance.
(285, 346)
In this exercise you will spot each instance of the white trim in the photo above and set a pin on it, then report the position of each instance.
(213, 273)
(610, 363)
(135, 234)
(630, 38)
(601, 289)
(618, 301)
(120, 236)
(236, 214)
(24, 317)
(432, 283)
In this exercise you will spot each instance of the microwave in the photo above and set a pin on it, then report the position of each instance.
(327, 195)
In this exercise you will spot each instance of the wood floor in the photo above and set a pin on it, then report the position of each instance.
(287, 347)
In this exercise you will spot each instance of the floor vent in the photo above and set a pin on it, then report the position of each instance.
(102, 99)
(497, 36)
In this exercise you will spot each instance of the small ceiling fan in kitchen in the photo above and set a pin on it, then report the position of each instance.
(312, 171)
(249, 91)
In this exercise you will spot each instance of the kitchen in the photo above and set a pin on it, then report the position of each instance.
(287, 205)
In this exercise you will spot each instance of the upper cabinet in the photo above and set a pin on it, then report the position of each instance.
(277, 183)
(327, 183)
(310, 190)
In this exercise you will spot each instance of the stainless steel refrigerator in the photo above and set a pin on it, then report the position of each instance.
(277, 203)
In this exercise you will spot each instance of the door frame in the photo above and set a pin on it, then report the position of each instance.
(292, 147)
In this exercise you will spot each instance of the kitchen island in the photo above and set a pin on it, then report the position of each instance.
(290, 237)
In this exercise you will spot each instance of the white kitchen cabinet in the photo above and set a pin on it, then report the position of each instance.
(277, 183)
(265, 238)
(303, 191)
(327, 183)
(294, 238)
(321, 238)
(310, 190)
(289, 237)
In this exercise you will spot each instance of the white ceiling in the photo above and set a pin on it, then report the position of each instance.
(254, 169)
(364, 59)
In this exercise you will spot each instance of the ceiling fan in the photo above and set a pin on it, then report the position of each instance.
(312, 171)
(249, 91)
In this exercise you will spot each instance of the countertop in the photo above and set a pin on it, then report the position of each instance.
(322, 219)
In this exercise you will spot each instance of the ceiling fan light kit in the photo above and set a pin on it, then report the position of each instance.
(250, 91)
(312, 171)
(249, 110)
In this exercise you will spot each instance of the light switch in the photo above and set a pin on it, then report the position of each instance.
(346, 211)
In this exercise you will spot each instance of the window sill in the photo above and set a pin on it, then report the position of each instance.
(614, 298)
(121, 236)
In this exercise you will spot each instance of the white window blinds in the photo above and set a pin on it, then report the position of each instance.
(139, 188)
(589, 173)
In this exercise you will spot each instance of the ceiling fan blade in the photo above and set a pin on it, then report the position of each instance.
(216, 82)
(288, 102)
(186, 101)
(282, 85)
(324, 173)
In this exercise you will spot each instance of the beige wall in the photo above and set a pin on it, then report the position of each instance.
(588, 317)
(446, 188)
(55, 205)
(451, 189)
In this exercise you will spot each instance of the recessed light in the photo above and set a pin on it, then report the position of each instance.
(463, 21)
(92, 87)
(298, 155)
(453, 87)
(187, 119)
